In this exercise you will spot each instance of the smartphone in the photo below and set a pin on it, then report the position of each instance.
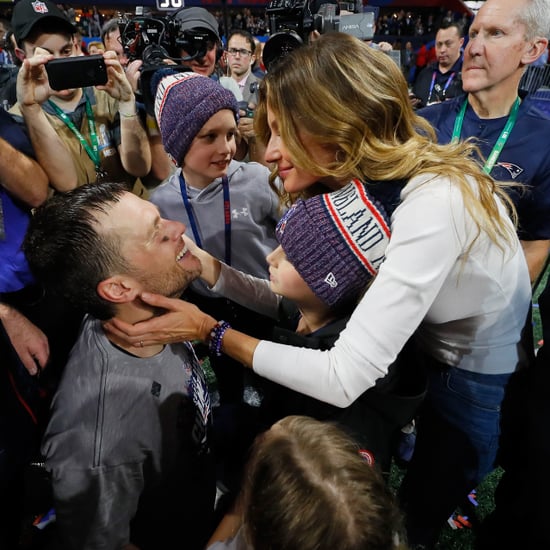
(65, 73)
(243, 106)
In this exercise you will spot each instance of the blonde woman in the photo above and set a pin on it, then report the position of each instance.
(454, 276)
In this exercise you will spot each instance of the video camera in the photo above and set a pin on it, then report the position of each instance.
(292, 21)
(158, 42)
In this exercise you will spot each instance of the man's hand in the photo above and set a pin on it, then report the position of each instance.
(385, 46)
(33, 87)
(118, 86)
(29, 342)
(133, 72)
(246, 126)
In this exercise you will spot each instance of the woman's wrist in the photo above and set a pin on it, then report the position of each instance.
(216, 337)
(205, 328)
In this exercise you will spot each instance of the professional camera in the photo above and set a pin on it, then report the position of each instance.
(292, 21)
(146, 38)
(150, 39)
(158, 42)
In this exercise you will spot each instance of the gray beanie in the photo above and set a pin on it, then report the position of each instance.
(336, 241)
(183, 104)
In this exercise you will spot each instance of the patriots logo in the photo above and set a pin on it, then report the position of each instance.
(513, 169)
(282, 222)
(39, 7)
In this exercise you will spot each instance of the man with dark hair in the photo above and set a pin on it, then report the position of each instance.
(241, 55)
(127, 444)
(441, 80)
(110, 36)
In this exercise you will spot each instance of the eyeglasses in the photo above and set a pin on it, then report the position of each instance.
(236, 51)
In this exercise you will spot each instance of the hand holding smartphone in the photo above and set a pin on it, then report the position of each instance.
(65, 73)
(248, 112)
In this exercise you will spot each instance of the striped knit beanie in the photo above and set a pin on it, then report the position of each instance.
(336, 241)
(183, 104)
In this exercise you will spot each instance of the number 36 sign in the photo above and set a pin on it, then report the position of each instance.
(169, 5)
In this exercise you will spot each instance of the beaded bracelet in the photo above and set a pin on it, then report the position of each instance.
(216, 337)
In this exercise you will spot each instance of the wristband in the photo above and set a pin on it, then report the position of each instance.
(128, 110)
(216, 337)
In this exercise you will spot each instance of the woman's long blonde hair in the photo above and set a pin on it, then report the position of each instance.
(353, 99)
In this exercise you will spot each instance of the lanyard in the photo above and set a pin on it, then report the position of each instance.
(226, 215)
(198, 391)
(445, 88)
(499, 145)
(93, 150)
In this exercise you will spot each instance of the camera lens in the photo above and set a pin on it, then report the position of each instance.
(279, 46)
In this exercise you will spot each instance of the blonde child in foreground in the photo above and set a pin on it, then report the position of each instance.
(326, 496)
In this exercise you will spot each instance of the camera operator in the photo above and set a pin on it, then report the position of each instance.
(201, 46)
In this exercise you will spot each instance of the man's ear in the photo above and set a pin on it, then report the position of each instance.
(118, 289)
(537, 47)
(20, 54)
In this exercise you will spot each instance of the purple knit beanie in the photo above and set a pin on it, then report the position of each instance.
(336, 241)
(183, 104)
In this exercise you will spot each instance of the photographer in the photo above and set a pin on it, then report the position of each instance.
(99, 125)
(200, 45)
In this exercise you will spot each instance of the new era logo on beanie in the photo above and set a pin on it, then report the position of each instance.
(183, 104)
(336, 241)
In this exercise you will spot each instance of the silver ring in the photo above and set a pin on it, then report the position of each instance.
(141, 343)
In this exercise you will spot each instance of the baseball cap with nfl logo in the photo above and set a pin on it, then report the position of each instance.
(27, 13)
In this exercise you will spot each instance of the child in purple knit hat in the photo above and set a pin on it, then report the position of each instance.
(331, 247)
(229, 210)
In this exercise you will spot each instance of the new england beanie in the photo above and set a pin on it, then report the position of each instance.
(336, 241)
(183, 104)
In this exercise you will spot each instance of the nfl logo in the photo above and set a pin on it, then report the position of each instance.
(39, 7)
